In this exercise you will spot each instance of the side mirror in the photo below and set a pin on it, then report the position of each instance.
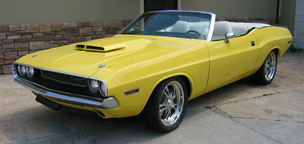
(228, 35)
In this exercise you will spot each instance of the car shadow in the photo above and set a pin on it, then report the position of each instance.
(40, 124)
(228, 93)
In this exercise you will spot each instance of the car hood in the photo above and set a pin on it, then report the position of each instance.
(115, 53)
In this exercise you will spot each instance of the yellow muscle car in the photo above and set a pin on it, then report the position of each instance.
(159, 62)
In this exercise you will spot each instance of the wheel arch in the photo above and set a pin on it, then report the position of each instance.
(277, 50)
(187, 79)
(265, 54)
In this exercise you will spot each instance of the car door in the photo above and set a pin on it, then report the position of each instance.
(231, 61)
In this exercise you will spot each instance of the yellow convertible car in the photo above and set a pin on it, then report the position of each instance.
(159, 62)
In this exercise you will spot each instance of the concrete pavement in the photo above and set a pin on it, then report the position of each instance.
(240, 113)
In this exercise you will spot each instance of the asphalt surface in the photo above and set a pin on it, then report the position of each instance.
(240, 113)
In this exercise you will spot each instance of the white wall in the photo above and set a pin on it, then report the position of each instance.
(298, 41)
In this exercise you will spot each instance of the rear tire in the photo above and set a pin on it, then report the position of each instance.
(267, 72)
(167, 105)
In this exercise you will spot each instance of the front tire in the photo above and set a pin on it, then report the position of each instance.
(267, 72)
(167, 105)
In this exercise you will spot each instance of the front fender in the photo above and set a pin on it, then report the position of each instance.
(146, 75)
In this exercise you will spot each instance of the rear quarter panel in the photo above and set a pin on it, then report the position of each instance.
(270, 38)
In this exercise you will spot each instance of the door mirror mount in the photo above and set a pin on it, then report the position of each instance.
(228, 35)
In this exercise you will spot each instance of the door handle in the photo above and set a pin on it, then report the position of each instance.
(252, 43)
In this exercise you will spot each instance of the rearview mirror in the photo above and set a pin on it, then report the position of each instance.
(228, 35)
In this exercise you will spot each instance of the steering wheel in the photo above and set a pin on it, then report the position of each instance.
(195, 32)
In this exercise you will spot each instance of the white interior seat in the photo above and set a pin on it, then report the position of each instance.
(220, 29)
(180, 27)
(201, 27)
(238, 28)
(241, 28)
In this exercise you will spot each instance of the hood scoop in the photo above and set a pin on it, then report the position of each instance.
(88, 47)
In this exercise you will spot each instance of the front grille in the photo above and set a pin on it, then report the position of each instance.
(64, 78)
(62, 82)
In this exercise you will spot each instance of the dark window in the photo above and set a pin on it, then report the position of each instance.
(192, 25)
(153, 5)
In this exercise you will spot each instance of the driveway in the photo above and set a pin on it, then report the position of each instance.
(240, 113)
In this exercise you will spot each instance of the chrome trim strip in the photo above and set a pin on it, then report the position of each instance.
(211, 28)
(72, 74)
(130, 23)
(106, 103)
(205, 12)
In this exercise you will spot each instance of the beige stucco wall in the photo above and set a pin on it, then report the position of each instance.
(234, 8)
(40, 11)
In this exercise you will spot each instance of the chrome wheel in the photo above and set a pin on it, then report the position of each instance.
(171, 103)
(270, 66)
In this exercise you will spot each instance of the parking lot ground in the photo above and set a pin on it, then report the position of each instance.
(240, 113)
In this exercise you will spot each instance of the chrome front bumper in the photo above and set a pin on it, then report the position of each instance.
(105, 103)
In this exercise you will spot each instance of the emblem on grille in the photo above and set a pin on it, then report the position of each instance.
(76, 78)
(102, 66)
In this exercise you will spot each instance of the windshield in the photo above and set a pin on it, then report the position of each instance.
(172, 24)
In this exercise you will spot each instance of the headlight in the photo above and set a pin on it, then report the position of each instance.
(21, 70)
(24, 70)
(30, 72)
(93, 85)
(98, 85)
(14, 69)
(103, 89)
